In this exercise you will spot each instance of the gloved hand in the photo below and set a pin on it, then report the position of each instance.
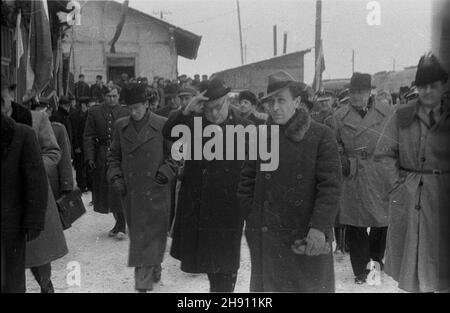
(32, 234)
(315, 242)
(91, 164)
(119, 187)
(161, 178)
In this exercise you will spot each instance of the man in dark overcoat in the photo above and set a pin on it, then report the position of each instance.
(141, 171)
(290, 211)
(97, 139)
(99, 90)
(78, 122)
(24, 190)
(208, 223)
(81, 88)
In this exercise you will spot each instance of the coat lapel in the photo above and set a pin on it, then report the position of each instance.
(373, 118)
(148, 132)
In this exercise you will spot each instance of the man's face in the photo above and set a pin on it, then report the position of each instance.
(324, 105)
(124, 77)
(138, 110)
(98, 81)
(430, 95)
(281, 107)
(185, 99)
(81, 78)
(216, 111)
(359, 97)
(245, 106)
(6, 107)
(112, 98)
(84, 107)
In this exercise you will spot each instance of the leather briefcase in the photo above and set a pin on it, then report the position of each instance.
(71, 208)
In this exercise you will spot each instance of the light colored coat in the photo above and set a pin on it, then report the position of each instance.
(51, 244)
(135, 159)
(417, 247)
(364, 201)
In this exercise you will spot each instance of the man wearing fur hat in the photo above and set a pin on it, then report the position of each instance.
(141, 171)
(415, 150)
(290, 212)
(365, 194)
(208, 223)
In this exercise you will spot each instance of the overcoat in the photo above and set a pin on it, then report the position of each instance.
(98, 134)
(365, 191)
(209, 222)
(282, 205)
(24, 199)
(418, 238)
(51, 244)
(135, 159)
(61, 177)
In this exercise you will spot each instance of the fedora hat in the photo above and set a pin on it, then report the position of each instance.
(216, 89)
(277, 82)
(360, 81)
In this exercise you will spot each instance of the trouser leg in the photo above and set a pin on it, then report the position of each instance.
(222, 282)
(120, 222)
(43, 274)
(143, 278)
(377, 241)
(359, 247)
(13, 263)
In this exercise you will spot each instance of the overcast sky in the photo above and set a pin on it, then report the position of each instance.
(404, 32)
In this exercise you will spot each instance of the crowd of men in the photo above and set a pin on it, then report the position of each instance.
(356, 168)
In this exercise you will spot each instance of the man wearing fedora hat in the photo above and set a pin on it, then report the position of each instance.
(415, 150)
(141, 171)
(290, 212)
(365, 194)
(97, 139)
(208, 224)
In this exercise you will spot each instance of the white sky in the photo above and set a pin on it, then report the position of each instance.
(404, 33)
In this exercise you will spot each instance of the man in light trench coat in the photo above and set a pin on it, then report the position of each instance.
(365, 193)
(141, 170)
(415, 149)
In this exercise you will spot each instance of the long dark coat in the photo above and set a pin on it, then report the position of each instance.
(418, 238)
(282, 205)
(78, 122)
(209, 222)
(97, 139)
(51, 244)
(24, 190)
(82, 89)
(365, 199)
(61, 177)
(62, 116)
(135, 159)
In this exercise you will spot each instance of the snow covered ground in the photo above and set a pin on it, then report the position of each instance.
(102, 263)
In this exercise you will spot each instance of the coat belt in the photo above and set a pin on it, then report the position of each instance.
(435, 172)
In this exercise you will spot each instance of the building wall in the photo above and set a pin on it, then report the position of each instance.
(141, 38)
(254, 76)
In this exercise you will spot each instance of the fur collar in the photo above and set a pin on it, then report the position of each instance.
(297, 126)
(7, 133)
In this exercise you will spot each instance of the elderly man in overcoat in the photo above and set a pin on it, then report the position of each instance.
(416, 152)
(290, 211)
(141, 171)
(208, 223)
(98, 134)
(365, 192)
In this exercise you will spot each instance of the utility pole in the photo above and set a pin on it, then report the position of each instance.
(353, 61)
(274, 40)
(284, 42)
(318, 29)
(240, 31)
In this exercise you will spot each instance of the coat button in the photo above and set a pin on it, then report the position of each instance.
(268, 176)
(297, 203)
(417, 207)
(264, 229)
(299, 176)
(266, 204)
